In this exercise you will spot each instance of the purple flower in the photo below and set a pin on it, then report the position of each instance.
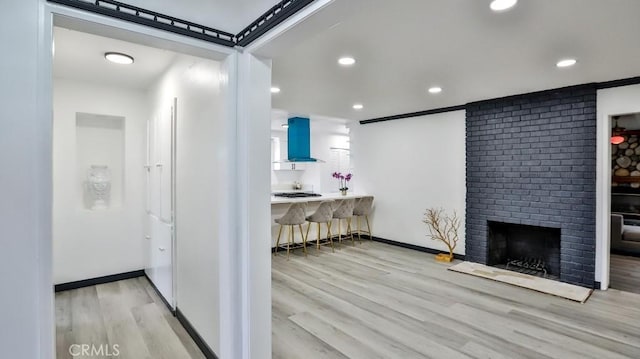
(348, 177)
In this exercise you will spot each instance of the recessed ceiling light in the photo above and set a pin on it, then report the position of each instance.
(118, 58)
(275, 90)
(285, 125)
(566, 63)
(358, 106)
(502, 5)
(435, 89)
(346, 61)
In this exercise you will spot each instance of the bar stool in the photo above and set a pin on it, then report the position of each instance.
(344, 211)
(295, 216)
(324, 214)
(363, 209)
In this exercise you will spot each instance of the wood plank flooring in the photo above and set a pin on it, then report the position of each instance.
(128, 313)
(379, 301)
(625, 273)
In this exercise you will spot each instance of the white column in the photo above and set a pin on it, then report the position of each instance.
(25, 186)
(253, 171)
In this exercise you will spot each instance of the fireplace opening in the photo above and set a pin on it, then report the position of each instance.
(524, 249)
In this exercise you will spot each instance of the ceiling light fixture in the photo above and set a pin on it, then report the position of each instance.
(435, 90)
(346, 61)
(502, 5)
(118, 58)
(285, 125)
(566, 63)
(358, 106)
(275, 90)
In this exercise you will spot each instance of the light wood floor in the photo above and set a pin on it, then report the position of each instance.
(625, 273)
(380, 301)
(128, 313)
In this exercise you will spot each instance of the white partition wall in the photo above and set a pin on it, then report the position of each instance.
(410, 165)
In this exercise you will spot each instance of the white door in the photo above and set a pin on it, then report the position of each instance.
(160, 201)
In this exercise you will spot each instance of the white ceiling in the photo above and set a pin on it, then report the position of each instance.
(80, 56)
(227, 15)
(403, 47)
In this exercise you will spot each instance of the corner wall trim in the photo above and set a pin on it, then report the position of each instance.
(415, 114)
(618, 83)
(99, 280)
(414, 247)
(193, 333)
(173, 311)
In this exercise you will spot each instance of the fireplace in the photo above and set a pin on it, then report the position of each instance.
(522, 248)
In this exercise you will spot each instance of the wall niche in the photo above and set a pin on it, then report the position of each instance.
(100, 160)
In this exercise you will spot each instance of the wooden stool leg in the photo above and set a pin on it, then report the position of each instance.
(349, 231)
(318, 241)
(368, 227)
(278, 241)
(358, 220)
(304, 240)
(329, 236)
(309, 227)
(339, 230)
(289, 239)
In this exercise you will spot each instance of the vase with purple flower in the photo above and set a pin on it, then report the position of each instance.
(343, 179)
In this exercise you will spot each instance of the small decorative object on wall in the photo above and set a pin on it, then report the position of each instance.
(443, 227)
(99, 186)
(342, 179)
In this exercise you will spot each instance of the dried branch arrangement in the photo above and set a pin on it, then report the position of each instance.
(443, 227)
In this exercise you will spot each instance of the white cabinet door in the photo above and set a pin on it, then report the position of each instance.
(160, 192)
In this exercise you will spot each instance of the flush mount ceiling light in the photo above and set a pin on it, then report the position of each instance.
(358, 106)
(275, 89)
(118, 58)
(502, 5)
(435, 90)
(566, 63)
(346, 61)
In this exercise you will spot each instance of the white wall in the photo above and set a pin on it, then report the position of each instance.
(202, 150)
(611, 102)
(86, 243)
(410, 165)
(25, 186)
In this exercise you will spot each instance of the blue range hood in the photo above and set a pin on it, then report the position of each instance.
(299, 140)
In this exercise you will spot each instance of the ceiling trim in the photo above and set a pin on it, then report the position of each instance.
(267, 21)
(597, 85)
(152, 19)
(270, 19)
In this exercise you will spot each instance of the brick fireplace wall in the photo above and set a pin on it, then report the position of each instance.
(531, 159)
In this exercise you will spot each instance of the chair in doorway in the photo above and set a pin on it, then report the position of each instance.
(324, 214)
(363, 209)
(345, 211)
(295, 216)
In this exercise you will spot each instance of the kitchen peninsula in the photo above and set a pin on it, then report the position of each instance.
(279, 206)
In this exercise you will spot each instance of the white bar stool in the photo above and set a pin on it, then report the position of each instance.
(295, 215)
(344, 211)
(324, 214)
(363, 209)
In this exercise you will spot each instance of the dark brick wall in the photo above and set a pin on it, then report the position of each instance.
(531, 159)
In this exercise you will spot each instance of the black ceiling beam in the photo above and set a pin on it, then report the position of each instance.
(152, 19)
(267, 21)
(270, 19)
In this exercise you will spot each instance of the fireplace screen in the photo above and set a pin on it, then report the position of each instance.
(525, 249)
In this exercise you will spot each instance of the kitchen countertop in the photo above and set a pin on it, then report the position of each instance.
(324, 197)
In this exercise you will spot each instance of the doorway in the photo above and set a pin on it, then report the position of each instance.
(137, 194)
(625, 202)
